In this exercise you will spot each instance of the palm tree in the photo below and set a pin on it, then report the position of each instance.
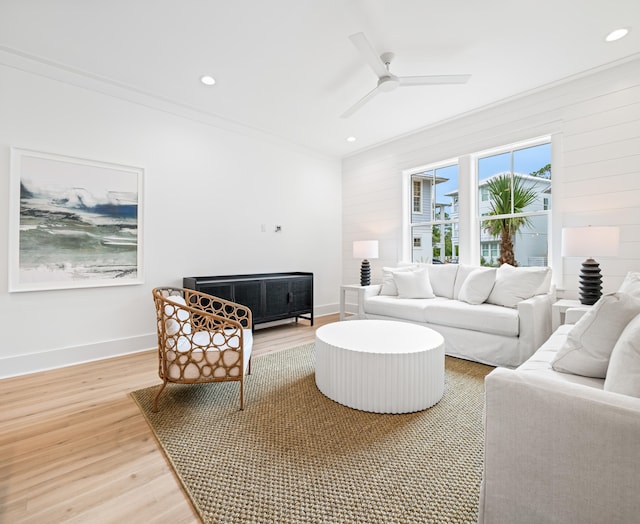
(500, 189)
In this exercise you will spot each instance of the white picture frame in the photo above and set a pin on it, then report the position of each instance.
(74, 223)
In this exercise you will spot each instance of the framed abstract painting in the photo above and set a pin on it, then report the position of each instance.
(73, 222)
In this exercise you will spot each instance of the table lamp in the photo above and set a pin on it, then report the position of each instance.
(589, 242)
(365, 249)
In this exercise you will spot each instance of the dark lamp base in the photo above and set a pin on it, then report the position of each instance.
(590, 282)
(365, 273)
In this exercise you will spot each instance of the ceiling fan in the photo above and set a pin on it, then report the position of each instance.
(387, 81)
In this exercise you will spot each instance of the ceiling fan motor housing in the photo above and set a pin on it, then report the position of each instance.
(388, 83)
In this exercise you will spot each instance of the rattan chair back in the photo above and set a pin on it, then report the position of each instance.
(201, 339)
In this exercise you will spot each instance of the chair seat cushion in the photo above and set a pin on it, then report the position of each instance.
(208, 354)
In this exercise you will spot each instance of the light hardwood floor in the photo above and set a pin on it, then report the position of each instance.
(74, 446)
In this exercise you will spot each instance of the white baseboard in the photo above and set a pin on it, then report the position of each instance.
(17, 365)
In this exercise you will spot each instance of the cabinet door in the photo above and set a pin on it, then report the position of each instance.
(224, 291)
(302, 295)
(249, 294)
(276, 298)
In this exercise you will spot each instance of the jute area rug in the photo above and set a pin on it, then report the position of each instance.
(295, 456)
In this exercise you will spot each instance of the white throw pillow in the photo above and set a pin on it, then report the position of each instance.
(463, 272)
(515, 284)
(590, 342)
(623, 374)
(631, 284)
(413, 284)
(388, 286)
(478, 285)
(442, 278)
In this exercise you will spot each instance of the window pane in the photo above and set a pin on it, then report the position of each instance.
(490, 165)
(491, 169)
(434, 215)
(513, 185)
(446, 189)
(421, 250)
(530, 242)
(535, 161)
(434, 244)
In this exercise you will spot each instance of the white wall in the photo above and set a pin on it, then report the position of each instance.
(594, 121)
(207, 190)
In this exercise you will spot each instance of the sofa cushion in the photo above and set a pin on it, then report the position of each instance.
(623, 374)
(631, 284)
(590, 343)
(514, 284)
(413, 284)
(388, 286)
(411, 309)
(478, 285)
(486, 318)
(442, 278)
(540, 362)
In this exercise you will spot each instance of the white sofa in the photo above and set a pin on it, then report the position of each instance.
(562, 447)
(496, 317)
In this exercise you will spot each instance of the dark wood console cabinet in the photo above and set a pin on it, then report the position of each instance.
(270, 296)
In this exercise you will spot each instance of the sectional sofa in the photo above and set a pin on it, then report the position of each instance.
(562, 430)
(493, 316)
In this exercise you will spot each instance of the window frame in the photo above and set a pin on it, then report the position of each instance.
(511, 149)
(466, 226)
(435, 220)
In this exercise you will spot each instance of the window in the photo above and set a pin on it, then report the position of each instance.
(417, 196)
(434, 214)
(510, 189)
(514, 219)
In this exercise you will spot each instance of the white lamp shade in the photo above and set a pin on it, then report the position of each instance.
(590, 241)
(365, 249)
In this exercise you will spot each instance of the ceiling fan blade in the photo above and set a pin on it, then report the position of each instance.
(367, 52)
(360, 103)
(433, 80)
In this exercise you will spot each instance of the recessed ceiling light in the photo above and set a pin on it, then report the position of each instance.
(207, 80)
(351, 139)
(617, 34)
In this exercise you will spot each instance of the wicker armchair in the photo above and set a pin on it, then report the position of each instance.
(201, 338)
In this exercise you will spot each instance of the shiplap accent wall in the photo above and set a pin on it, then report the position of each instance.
(594, 121)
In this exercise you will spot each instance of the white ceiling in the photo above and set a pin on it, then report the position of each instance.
(288, 68)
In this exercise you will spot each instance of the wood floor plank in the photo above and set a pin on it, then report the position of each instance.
(74, 447)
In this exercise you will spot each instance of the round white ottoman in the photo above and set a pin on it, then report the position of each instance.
(380, 365)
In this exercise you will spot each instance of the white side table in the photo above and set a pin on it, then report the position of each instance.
(559, 308)
(343, 292)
